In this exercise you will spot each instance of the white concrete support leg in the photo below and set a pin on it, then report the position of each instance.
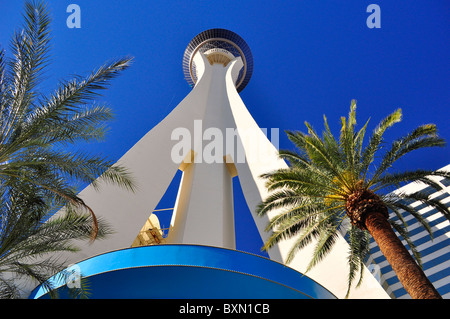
(204, 213)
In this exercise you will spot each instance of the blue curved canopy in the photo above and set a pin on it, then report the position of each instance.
(188, 272)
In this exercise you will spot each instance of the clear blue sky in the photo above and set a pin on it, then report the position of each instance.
(310, 58)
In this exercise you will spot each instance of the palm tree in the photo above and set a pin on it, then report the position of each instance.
(331, 180)
(39, 165)
(30, 236)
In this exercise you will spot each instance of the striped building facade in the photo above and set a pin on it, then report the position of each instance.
(435, 253)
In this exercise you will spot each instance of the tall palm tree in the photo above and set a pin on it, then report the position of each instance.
(39, 165)
(331, 180)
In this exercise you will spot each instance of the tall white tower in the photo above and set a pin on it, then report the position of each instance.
(211, 137)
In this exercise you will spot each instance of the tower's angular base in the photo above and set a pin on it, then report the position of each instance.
(188, 272)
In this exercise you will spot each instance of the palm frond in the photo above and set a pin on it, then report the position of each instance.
(303, 221)
(324, 242)
(426, 199)
(359, 249)
(422, 137)
(397, 179)
(376, 140)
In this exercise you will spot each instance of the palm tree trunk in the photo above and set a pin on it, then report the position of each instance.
(408, 271)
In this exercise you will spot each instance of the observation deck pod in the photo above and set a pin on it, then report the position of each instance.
(216, 43)
(187, 272)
